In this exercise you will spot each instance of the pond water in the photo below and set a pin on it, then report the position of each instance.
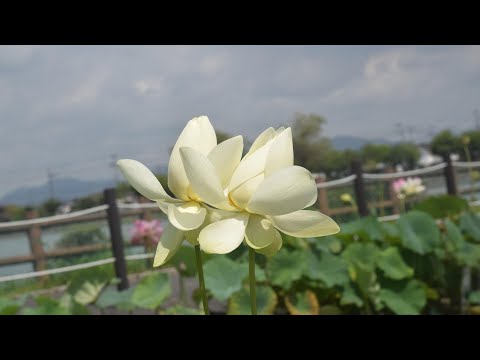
(15, 244)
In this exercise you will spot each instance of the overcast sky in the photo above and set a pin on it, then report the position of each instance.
(69, 108)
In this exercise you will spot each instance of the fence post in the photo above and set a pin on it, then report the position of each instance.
(475, 280)
(35, 241)
(359, 188)
(322, 195)
(146, 214)
(393, 195)
(116, 238)
(449, 173)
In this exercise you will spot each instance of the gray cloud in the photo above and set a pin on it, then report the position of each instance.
(70, 107)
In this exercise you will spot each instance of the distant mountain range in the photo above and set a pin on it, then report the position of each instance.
(65, 189)
(355, 143)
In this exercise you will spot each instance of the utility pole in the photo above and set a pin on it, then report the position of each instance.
(476, 116)
(401, 130)
(411, 134)
(431, 131)
(50, 176)
(113, 165)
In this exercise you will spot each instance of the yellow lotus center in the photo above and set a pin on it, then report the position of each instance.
(233, 203)
(192, 195)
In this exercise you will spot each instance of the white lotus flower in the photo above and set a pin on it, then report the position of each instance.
(405, 188)
(187, 212)
(265, 193)
(413, 186)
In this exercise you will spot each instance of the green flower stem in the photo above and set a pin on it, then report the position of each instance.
(355, 208)
(251, 268)
(198, 256)
(368, 308)
(402, 206)
(183, 293)
(470, 173)
(382, 199)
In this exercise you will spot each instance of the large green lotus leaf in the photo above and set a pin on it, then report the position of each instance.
(330, 310)
(185, 261)
(464, 252)
(362, 255)
(88, 292)
(293, 242)
(391, 230)
(474, 297)
(431, 293)
(181, 310)
(330, 269)
(469, 255)
(350, 296)
(67, 301)
(259, 273)
(12, 306)
(8, 307)
(79, 309)
(326, 244)
(405, 297)
(429, 267)
(418, 232)
(119, 299)
(367, 229)
(286, 267)
(223, 276)
(454, 236)
(239, 303)
(46, 306)
(470, 224)
(152, 291)
(78, 280)
(365, 279)
(302, 303)
(442, 206)
(391, 263)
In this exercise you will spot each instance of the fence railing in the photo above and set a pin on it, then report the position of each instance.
(358, 181)
(111, 211)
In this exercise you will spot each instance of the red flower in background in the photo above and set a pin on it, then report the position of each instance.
(143, 230)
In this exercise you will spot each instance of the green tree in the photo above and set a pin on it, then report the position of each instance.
(124, 188)
(473, 145)
(445, 143)
(87, 202)
(311, 148)
(14, 212)
(374, 154)
(50, 206)
(405, 154)
(164, 181)
(82, 234)
(338, 163)
(222, 136)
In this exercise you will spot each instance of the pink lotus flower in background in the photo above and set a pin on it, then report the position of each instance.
(398, 185)
(409, 187)
(144, 230)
